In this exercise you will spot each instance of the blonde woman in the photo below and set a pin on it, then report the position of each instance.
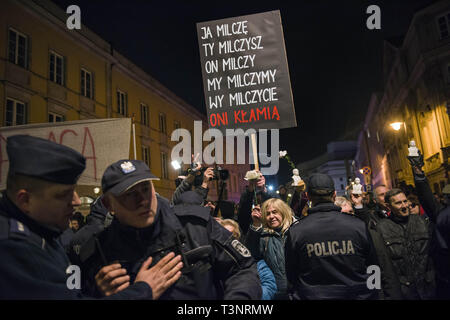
(231, 226)
(266, 237)
(345, 204)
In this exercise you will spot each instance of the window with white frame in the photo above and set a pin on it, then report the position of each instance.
(16, 112)
(54, 117)
(87, 84)
(144, 114)
(18, 48)
(146, 155)
(122, 103)
(162, 123)
(444, 25)
(164, 166)
(57, 68)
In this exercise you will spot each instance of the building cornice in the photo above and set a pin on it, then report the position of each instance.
(56, 18)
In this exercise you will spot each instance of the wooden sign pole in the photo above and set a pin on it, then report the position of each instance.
(255, 151)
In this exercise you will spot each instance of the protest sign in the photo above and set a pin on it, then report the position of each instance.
(245, 73)
(100, 141)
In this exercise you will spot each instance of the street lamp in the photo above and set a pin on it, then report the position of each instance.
(176, 165)
(396, 125)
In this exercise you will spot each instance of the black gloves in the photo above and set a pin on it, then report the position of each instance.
(417, 164)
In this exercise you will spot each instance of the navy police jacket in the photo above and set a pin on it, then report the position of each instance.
(97, 220)
(215, 265)
(33, 263)
(327, 255)
(442, 254)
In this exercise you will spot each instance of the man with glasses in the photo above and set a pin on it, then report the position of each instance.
(406, 241)
(414, 206)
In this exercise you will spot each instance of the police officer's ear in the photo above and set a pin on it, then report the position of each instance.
(333, 198)
(22, 199)
(106, 200)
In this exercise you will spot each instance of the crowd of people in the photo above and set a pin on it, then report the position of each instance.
(135, 244)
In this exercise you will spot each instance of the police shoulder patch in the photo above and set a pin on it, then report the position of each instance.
(17, 227)
(239, 247)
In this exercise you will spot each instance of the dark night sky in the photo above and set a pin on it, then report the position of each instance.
(335, 62)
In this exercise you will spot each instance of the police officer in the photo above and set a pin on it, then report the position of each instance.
(39, 200)
(216, 266)
(441, 249)
(97, 219)
(327, 252)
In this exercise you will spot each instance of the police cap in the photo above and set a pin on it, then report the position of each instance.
(44, 159)
(320, 184)
(125, 174)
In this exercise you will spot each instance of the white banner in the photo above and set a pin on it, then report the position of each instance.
(100, 141)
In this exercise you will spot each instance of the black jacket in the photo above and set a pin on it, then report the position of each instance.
(186, 186)
(327, 256)
(441, 254)
(370, 217)
(391, 288)
(216, 266)
(97, 220)
(440, 244)
(407, 244)
(33, 263)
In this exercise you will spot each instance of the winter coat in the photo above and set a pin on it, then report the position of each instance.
(407, 243)
(268, 282)
(269, 245)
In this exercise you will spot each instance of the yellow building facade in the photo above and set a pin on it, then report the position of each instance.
(416, 96)
(49, 73)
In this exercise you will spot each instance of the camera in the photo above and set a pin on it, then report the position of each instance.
(219, 174)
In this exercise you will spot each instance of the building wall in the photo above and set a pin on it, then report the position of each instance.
(417, 93)
(336, 170)
(44, 26)
(336, 163)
